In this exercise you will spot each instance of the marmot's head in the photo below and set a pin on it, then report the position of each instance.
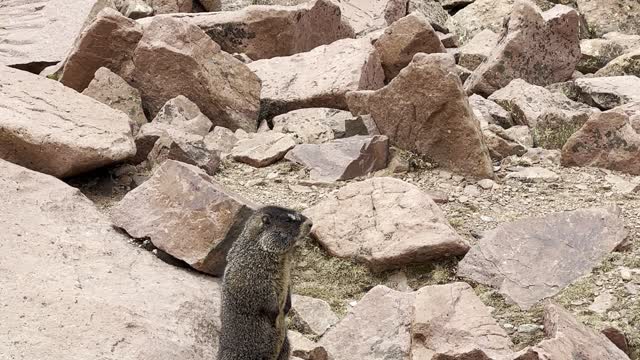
(280, 228)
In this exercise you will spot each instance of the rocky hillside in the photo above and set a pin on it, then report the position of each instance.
(471, 167)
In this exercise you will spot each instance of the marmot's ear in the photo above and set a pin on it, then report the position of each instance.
(266, 219)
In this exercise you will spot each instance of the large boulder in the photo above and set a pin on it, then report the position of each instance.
(403, 39)
(424, 109)
(342, 159)
(36, 34)
(185, 213)
(365, 16)
(377, 328)
(263, 32)
(318, 78)
(608, 92)
(112, 90)
(627, 64)
(534, 258)
(385, 223)
(485, 14)
(109, 41)
(603, 16)
(111, 299)
(607, 140)
(176, 58)
(50, 128)
(450, 322)
(540, 48)
(567, 338)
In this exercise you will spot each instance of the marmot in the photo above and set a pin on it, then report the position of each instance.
(256, 293)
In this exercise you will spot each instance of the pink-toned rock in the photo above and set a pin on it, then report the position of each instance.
(527, 260)
(262, 149)
(365, 16)
(424, 109)
(50, 128)
(181, 113)
(403, 39)
(318, 78)
(342, 159)
(607, 140)
(478, 49)
(488, 112)
(112, 90)
(604, 16)
(176, 58)
(171, 6)
(501, 144)
(385, 223)
(263, 32)
(312, 315)
(567, 338)
(222, 140)
(187, 148)
(305, 349)
(450, 322)
(185, 213)
(540, 48)
(61, 255)
(37, 34)
(109, 41)
(377, 328)
(319, 125)
(608, 92)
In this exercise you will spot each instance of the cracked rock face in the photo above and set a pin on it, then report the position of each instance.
(450, 321)
(50, 128)
(535, 258)
(609, 91)
(385, 223)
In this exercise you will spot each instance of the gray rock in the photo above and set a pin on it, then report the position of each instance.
(488, 112)
(433, 11)
(366, 16)
(112, 90)
(603, 16)
(50, 128)
(535, 258)
(313, 315)
(385, 223)
(187, 148)
(221, 140)
(182, 114)
(377, 328)
(102, 288)
(171, 6)
(450, 322)
(534, 174)
(262, 149)
(185, 213)
(627, 64)
(342, 159)
(319, 125)
(478, 49)
(134, 9)
(596, 53)
(608, 92)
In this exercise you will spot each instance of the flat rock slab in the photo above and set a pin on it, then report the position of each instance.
(342, 159)
(535, 258)
(319, 125)
(385, 223)
(378, 328)
(110, 89)
(262, 149)
(36, 34)
(50, 128)
(568, 338)
(263, 32)
(318, 78)
(108, 41)
(540, 48)
(425, 110)
(185, 213)
(177, 58)
(608, 140)
(450, 321)
(110, 299)
(608, 92)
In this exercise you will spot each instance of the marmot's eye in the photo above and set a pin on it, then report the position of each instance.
(266, 219)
